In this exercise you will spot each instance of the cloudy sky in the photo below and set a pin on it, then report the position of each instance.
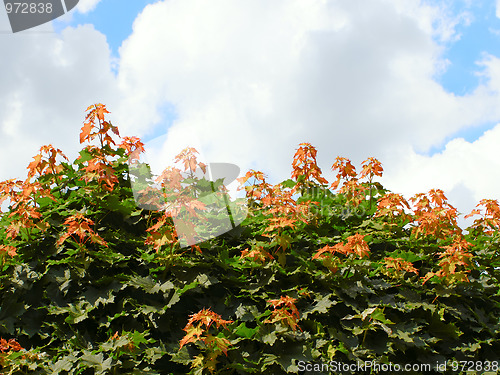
(414, 83)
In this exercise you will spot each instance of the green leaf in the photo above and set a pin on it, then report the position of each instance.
(64, 364)
(149, 285)
(290, 184)
(269, 337)
(187, 287)
(321, 306)
(243, 331)
(96, 361)
(85, 156)
(444, 330)
(378, 314)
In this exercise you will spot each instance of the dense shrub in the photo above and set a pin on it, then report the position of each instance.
(347, 272)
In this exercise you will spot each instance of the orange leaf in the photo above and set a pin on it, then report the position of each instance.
(101, 110)
(358, 245)
(11, 250)
(85, 133)
(372, 168)
(193, 334)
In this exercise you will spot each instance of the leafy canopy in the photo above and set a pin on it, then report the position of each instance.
(91, 283)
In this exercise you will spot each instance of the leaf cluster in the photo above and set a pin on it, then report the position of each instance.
(91, 283)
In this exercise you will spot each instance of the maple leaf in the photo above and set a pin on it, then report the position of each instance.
(353, 191)
(101, 110)
(46, 165)
(490, 220)
(280, 222)
(257, 253)
(220, 343)
(372, 168)
(357, 245)
(99, 169)
(399, 264)
(255, 190)
(160, 233)
(346, 169)
(4, 345)
(251, 173)
(304, 164)
(14, 345)
(473, 212)
(207, 317)
(197, 361)
(159, 239)
(11, 250)
(79, 225)
(282, 315)
(189, 158)
(392, 205)
(13, 229)
(194, 204)
(456, 255)
(434, 216)
(85, 133)
(192, 335)
(288, 313)
(33, 166)
(171, 178)
(320, 253)
(133, 146)
(283, 300)
(203, 317)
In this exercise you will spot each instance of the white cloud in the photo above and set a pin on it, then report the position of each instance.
(466, 171)
(498, 8)
(47, 82)
(85, 6)
(472, 164)
(298, 66)
(252, 79)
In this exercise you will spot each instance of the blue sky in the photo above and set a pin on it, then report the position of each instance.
(475, 39)
(113, 18)
(461, 76)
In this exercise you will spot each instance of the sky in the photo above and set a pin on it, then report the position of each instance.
(413, 83)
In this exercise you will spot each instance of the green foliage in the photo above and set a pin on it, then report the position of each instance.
(92, 284)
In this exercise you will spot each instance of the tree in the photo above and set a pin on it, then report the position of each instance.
(93, 284)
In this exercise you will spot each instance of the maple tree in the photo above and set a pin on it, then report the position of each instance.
(95, 279)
